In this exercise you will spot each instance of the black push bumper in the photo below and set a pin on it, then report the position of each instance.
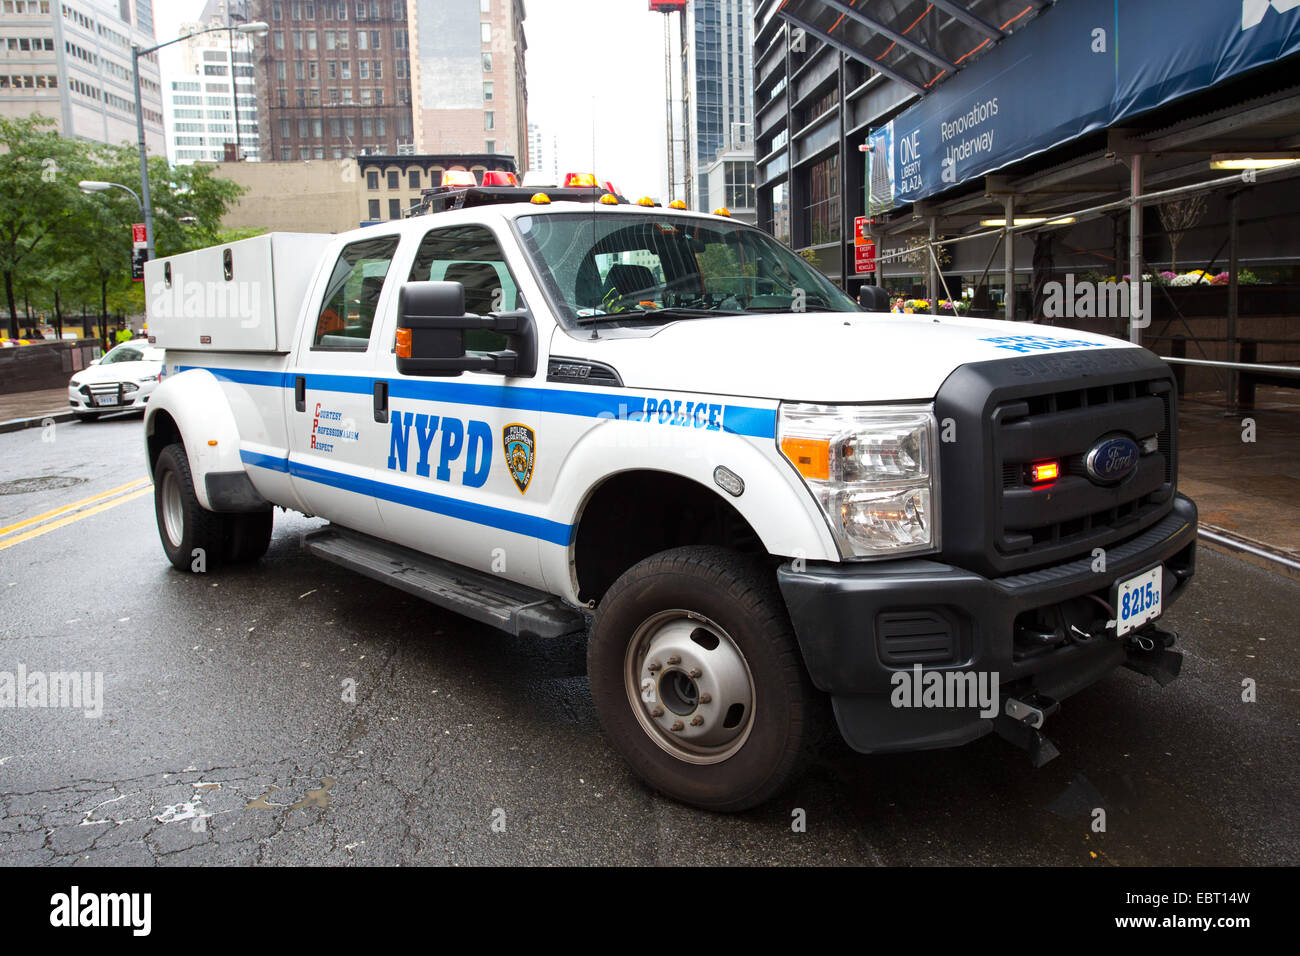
(859, 625)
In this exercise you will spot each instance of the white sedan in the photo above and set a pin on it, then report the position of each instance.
(119, 381)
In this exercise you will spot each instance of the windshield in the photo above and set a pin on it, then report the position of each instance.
(638, 269)
(132, 352)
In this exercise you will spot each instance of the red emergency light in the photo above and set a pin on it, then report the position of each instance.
(499, 177)
(1044, 471)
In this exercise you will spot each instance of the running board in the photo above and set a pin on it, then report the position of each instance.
(514, 608)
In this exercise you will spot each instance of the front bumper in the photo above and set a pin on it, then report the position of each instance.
(860, 625)
(87, 401)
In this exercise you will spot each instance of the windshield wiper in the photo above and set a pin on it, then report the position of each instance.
(671, 312)
(783, 308)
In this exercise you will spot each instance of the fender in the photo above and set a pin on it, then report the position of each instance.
(775, 502)
(197, 403)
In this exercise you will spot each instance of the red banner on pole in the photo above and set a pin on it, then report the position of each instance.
(138, 236)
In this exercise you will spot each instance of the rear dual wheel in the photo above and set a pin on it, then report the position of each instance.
(193, 537)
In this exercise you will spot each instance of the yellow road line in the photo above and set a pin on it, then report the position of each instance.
(37, 532)
(130, 485)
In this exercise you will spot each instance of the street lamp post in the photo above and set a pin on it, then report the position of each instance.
(98, 186)
(256, 28)
(89, 186)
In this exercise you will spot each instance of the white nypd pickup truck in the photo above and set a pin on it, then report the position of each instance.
(562, 414)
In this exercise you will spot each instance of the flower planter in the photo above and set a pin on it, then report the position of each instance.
(1212, 300)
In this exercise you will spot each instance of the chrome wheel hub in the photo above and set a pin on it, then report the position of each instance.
(173, 510)
(690, 686)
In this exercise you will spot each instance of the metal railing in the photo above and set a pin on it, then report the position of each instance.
(1237, 366)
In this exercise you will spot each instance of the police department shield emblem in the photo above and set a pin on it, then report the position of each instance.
(519, 442)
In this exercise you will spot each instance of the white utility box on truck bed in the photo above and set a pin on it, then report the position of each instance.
(241, 297)
(566, 415)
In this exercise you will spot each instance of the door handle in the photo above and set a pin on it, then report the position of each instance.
(381, 402)
(300, 393)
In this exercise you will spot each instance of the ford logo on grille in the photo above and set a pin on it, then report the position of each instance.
(1112, 459)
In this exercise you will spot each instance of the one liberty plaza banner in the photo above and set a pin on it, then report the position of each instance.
(1081, 66)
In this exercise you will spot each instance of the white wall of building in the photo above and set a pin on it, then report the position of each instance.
(71, 60)
(201, 108)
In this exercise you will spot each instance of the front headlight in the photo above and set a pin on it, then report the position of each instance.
(872, 472)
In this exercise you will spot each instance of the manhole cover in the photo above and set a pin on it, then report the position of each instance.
(25, 486)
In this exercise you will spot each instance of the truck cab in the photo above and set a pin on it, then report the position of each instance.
(560, 413)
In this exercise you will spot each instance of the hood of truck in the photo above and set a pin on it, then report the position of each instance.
(816, 356)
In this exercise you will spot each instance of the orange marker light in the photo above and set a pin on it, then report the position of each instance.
(812, 456)
(1044, 471)
(677, 204)
(609, 199)
(645, 201)
(403, 343)
(458, 177)
(722, 211)
(540, 199)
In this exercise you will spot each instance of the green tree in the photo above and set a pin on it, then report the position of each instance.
(38, 190)
(87, 248)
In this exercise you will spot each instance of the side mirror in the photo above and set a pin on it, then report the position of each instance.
(431, 327)
(873, 298)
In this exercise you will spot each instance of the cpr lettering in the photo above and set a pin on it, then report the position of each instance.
(473, 439)
(685, 414)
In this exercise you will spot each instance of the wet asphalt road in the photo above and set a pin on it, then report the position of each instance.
(225, 738)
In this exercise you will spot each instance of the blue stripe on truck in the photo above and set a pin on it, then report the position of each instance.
(737, 419)
(554, 532)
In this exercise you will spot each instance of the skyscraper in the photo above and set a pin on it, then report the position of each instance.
(202, 108)
(333, 78)
(70, 60)
(719, 103)
(535, 149)
(470, 82)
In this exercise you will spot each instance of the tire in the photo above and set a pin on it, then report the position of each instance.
(687, 741)
(87, 416)
(184, 524)
(250, 536)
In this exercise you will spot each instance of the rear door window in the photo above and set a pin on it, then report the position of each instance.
(351, 299)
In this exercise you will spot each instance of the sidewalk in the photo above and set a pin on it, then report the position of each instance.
(1249, 489)
(29, 409)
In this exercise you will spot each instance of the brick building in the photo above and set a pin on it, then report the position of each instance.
(333, 78)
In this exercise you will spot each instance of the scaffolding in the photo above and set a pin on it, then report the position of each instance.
(1134, 203)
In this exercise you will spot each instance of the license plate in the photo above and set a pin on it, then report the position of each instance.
(102, 400)
(1138, 599)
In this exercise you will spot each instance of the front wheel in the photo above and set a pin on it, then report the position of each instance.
(697, 677)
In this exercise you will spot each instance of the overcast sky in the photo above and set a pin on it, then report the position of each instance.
(588, 63)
